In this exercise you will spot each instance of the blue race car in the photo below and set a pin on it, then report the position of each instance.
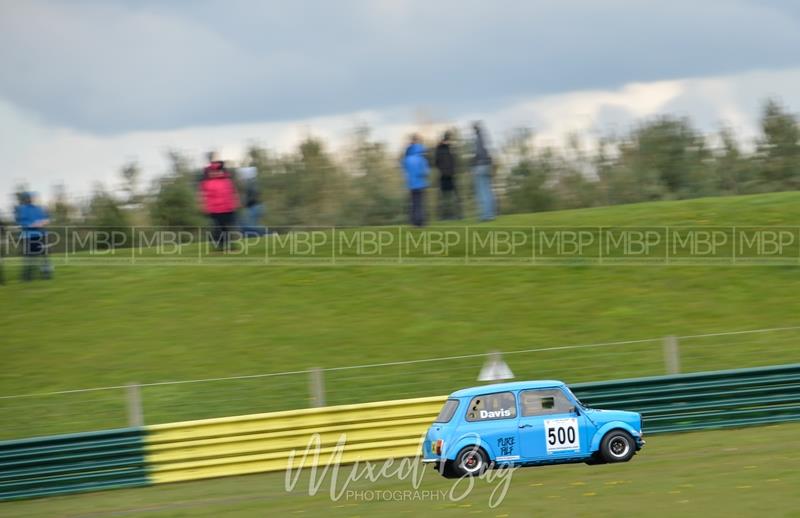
(526, 423)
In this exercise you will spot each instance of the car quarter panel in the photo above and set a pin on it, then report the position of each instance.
(607, 427)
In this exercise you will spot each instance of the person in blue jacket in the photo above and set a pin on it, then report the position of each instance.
(415, 165)
(33, 219)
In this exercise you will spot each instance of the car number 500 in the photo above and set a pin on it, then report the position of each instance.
(562, 434)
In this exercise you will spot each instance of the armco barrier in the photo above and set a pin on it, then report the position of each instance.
(374, 431)
(263, 442)
(703, 400)
(71, 463)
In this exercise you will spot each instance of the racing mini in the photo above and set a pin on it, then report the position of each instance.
(526, 423)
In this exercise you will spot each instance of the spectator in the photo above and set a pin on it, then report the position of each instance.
(32, 220)
(253, 206)
(415, 166)
(2, 246)
(449, 202)
(213, 160)
(482, 175)
(219, 201)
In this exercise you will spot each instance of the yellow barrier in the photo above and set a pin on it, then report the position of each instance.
(262, 442)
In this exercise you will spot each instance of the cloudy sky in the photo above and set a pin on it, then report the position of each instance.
(91, 84)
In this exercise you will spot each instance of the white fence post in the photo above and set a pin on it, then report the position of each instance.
(672, 357)
(317, 387)
(134, 399)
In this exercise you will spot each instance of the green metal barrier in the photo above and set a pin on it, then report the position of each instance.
(704, 400)
(72, 463)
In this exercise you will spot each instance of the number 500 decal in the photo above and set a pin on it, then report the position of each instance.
(561, 434)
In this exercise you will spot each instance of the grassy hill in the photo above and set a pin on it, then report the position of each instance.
(98, 325)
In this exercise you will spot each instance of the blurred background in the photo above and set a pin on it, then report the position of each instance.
(650, 101)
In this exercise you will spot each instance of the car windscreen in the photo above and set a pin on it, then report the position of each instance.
(574, 397)
(448, 410)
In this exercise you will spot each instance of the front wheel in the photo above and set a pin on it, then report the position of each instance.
(617, 446)
(595, 459)
(470, 462)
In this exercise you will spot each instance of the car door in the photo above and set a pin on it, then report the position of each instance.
(493, 418)
(549, 428)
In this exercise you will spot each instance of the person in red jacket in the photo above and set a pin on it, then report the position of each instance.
(219, 200)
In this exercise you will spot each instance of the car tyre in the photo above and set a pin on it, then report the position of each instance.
(470, 462)
(595, 459)
(445, 469)
(617, 446)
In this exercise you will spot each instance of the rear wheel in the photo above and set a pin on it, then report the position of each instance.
(617, 446)
(470, 461)
(445, 469)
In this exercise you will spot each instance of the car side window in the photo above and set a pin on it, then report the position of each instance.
(448, 410)
(501, 405)
(544, 402)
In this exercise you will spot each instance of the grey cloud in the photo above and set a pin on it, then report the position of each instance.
(109, 67)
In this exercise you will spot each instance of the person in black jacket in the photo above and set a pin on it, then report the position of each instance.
(445, 162)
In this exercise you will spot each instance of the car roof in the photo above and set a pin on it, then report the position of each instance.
(505, 387)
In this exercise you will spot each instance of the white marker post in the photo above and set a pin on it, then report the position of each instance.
(495, 369)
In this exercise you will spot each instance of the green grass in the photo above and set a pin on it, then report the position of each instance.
(745, 472)
(110, 325)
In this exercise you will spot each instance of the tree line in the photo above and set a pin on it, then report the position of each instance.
(662, 158)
